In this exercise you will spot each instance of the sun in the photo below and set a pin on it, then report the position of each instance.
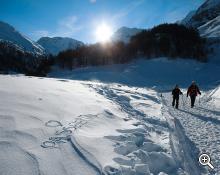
(103, 33)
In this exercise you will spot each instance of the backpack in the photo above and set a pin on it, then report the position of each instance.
(193, 90)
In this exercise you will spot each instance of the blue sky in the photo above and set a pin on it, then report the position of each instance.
(79, 18)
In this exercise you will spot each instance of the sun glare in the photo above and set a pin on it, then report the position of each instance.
(103, 33)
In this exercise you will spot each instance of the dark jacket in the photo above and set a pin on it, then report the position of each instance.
(193, 90)
(176, 92)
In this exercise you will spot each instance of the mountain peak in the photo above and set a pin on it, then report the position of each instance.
(9, 33)
(209, 4)
(124, 34)
(206, 19)
(54, 45)
(6, 26)
(209, 10)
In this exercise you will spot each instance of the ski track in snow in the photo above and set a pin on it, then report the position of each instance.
(201, 126)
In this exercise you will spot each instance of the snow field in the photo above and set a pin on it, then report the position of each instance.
(54, 126)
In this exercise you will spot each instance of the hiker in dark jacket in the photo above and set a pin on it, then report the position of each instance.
(193, 91)
(176, 92)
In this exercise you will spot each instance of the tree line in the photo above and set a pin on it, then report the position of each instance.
(14, 59)
(166, 40)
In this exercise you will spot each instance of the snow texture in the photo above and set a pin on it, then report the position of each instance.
(211, 28)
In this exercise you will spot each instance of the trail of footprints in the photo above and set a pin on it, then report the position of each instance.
(63, 133)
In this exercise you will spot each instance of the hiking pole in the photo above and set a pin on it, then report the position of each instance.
(183, 101)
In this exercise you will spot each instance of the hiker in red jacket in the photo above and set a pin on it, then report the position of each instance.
(193, 91)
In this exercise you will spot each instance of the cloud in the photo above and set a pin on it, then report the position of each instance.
(128, 9)
(174, 16)
(93, 1)
(39, 33)
(68, 26)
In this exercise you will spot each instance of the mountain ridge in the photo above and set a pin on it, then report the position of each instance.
(206, 19)
(9, 33)
(54, 45)
(124, 34)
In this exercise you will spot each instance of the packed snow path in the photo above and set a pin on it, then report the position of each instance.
(201, 126)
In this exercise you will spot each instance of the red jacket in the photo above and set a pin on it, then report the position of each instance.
(193, 90)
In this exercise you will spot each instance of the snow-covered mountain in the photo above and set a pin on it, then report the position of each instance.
(124, 34)
(9, 33)
(206, 18)
(209, 10)
(188, 17)
(43, 45)
(211, 28)
(57, 44)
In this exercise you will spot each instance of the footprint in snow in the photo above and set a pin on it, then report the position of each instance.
(53, 123)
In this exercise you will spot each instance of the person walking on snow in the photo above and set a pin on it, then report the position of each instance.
(176, 92)
(193, 91)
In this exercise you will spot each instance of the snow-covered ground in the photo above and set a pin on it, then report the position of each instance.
(52, 126)
(160, 74)
(115, 122)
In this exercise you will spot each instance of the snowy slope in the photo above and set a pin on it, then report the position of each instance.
(124, 34)
(209, 4)
(9, 44)
(205, 18)
(209, 10)
(156, 73)
(61, 126)
(52, 126)
(188, 17)
(211, 28)
(57, 44)
(9, 33)
(193, 131)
